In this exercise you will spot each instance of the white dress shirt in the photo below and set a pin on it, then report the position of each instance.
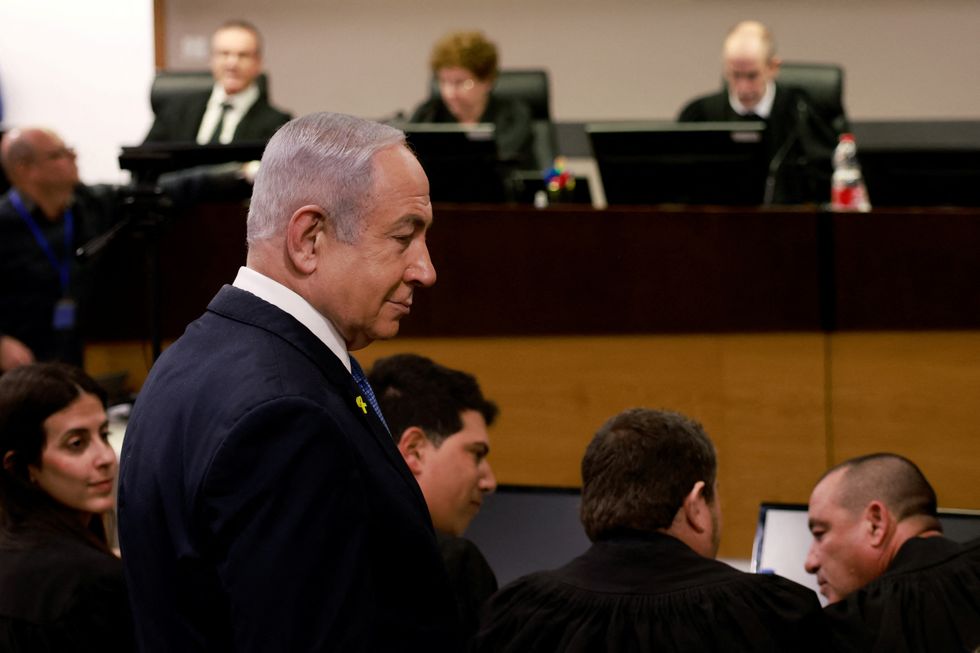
(240, 104)
(285, 299)
(762, 109)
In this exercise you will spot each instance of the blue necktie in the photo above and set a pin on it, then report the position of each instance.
(365, 387)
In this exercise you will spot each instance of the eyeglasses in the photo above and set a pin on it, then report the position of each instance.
(235, 54)
(457, 84)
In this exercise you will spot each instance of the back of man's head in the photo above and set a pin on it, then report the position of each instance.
(415, 391)
(322, 159)
(639, 468)
(887, 477)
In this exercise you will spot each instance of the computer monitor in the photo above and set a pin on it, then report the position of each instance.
(920, 163)
(461, 161)
(782, 539)
(522, 529)
(680, 163)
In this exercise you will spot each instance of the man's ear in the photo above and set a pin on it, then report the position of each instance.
(307, 228)
(413, 446)
(774, 64)
(8, 460)
(879, 522)
(695, 508)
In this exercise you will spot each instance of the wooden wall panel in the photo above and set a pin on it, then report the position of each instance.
(917, 394)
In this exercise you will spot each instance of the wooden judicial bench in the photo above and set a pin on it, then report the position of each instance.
(798, 338)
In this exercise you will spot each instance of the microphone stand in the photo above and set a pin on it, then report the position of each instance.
(777, 160)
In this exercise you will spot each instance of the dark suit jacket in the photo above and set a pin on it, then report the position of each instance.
(802, 171)
(262, 510)
(180, 119)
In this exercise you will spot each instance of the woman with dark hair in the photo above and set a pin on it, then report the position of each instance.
(61, 587)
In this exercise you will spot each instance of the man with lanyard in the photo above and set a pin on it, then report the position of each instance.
(42, 222)
(44, 218)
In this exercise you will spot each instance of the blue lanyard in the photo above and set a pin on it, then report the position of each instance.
(63, 268)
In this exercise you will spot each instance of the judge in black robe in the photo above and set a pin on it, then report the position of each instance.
(511, 120)
(798, 140)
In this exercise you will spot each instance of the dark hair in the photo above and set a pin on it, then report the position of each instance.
(888, 477)
(639, 467)
(415, 391)
(28, 396)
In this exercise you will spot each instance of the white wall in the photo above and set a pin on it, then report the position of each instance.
(82, 68)
(85, 67)
(608, 59)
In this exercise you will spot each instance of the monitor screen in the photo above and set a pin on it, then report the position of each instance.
(680, 163)
(522, 529)
(460, 160)
(782, 539)
(920, 163)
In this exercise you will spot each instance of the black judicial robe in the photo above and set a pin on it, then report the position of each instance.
(472, 579)
(644, 592)
(928, 600)
(799, 141)
(60, 594)
(512, 126)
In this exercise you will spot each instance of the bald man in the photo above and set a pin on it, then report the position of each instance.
(894, 582)
(799, 137)
(44, 218)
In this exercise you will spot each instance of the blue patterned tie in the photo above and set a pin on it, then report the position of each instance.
(362, 383)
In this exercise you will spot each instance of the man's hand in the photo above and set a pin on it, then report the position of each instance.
(14, 353)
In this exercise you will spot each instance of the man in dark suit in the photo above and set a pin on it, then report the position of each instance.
(236, 109)
(262, 500)
(800, 136)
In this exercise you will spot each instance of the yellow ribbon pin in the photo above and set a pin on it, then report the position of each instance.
(360, 404)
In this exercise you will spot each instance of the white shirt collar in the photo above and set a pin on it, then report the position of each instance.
(240, 101)
(285, 299)
(762, 109)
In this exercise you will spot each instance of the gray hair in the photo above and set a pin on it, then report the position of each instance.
(323, 159)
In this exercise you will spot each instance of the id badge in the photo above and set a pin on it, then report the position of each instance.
(64, 315)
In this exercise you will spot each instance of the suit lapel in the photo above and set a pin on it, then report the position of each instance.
(242, 306)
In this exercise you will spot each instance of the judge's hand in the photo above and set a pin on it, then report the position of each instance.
(14, 353)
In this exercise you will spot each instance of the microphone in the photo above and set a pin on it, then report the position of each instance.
(777, 160)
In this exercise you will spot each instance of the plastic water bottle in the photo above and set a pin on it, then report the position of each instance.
(847, 190)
